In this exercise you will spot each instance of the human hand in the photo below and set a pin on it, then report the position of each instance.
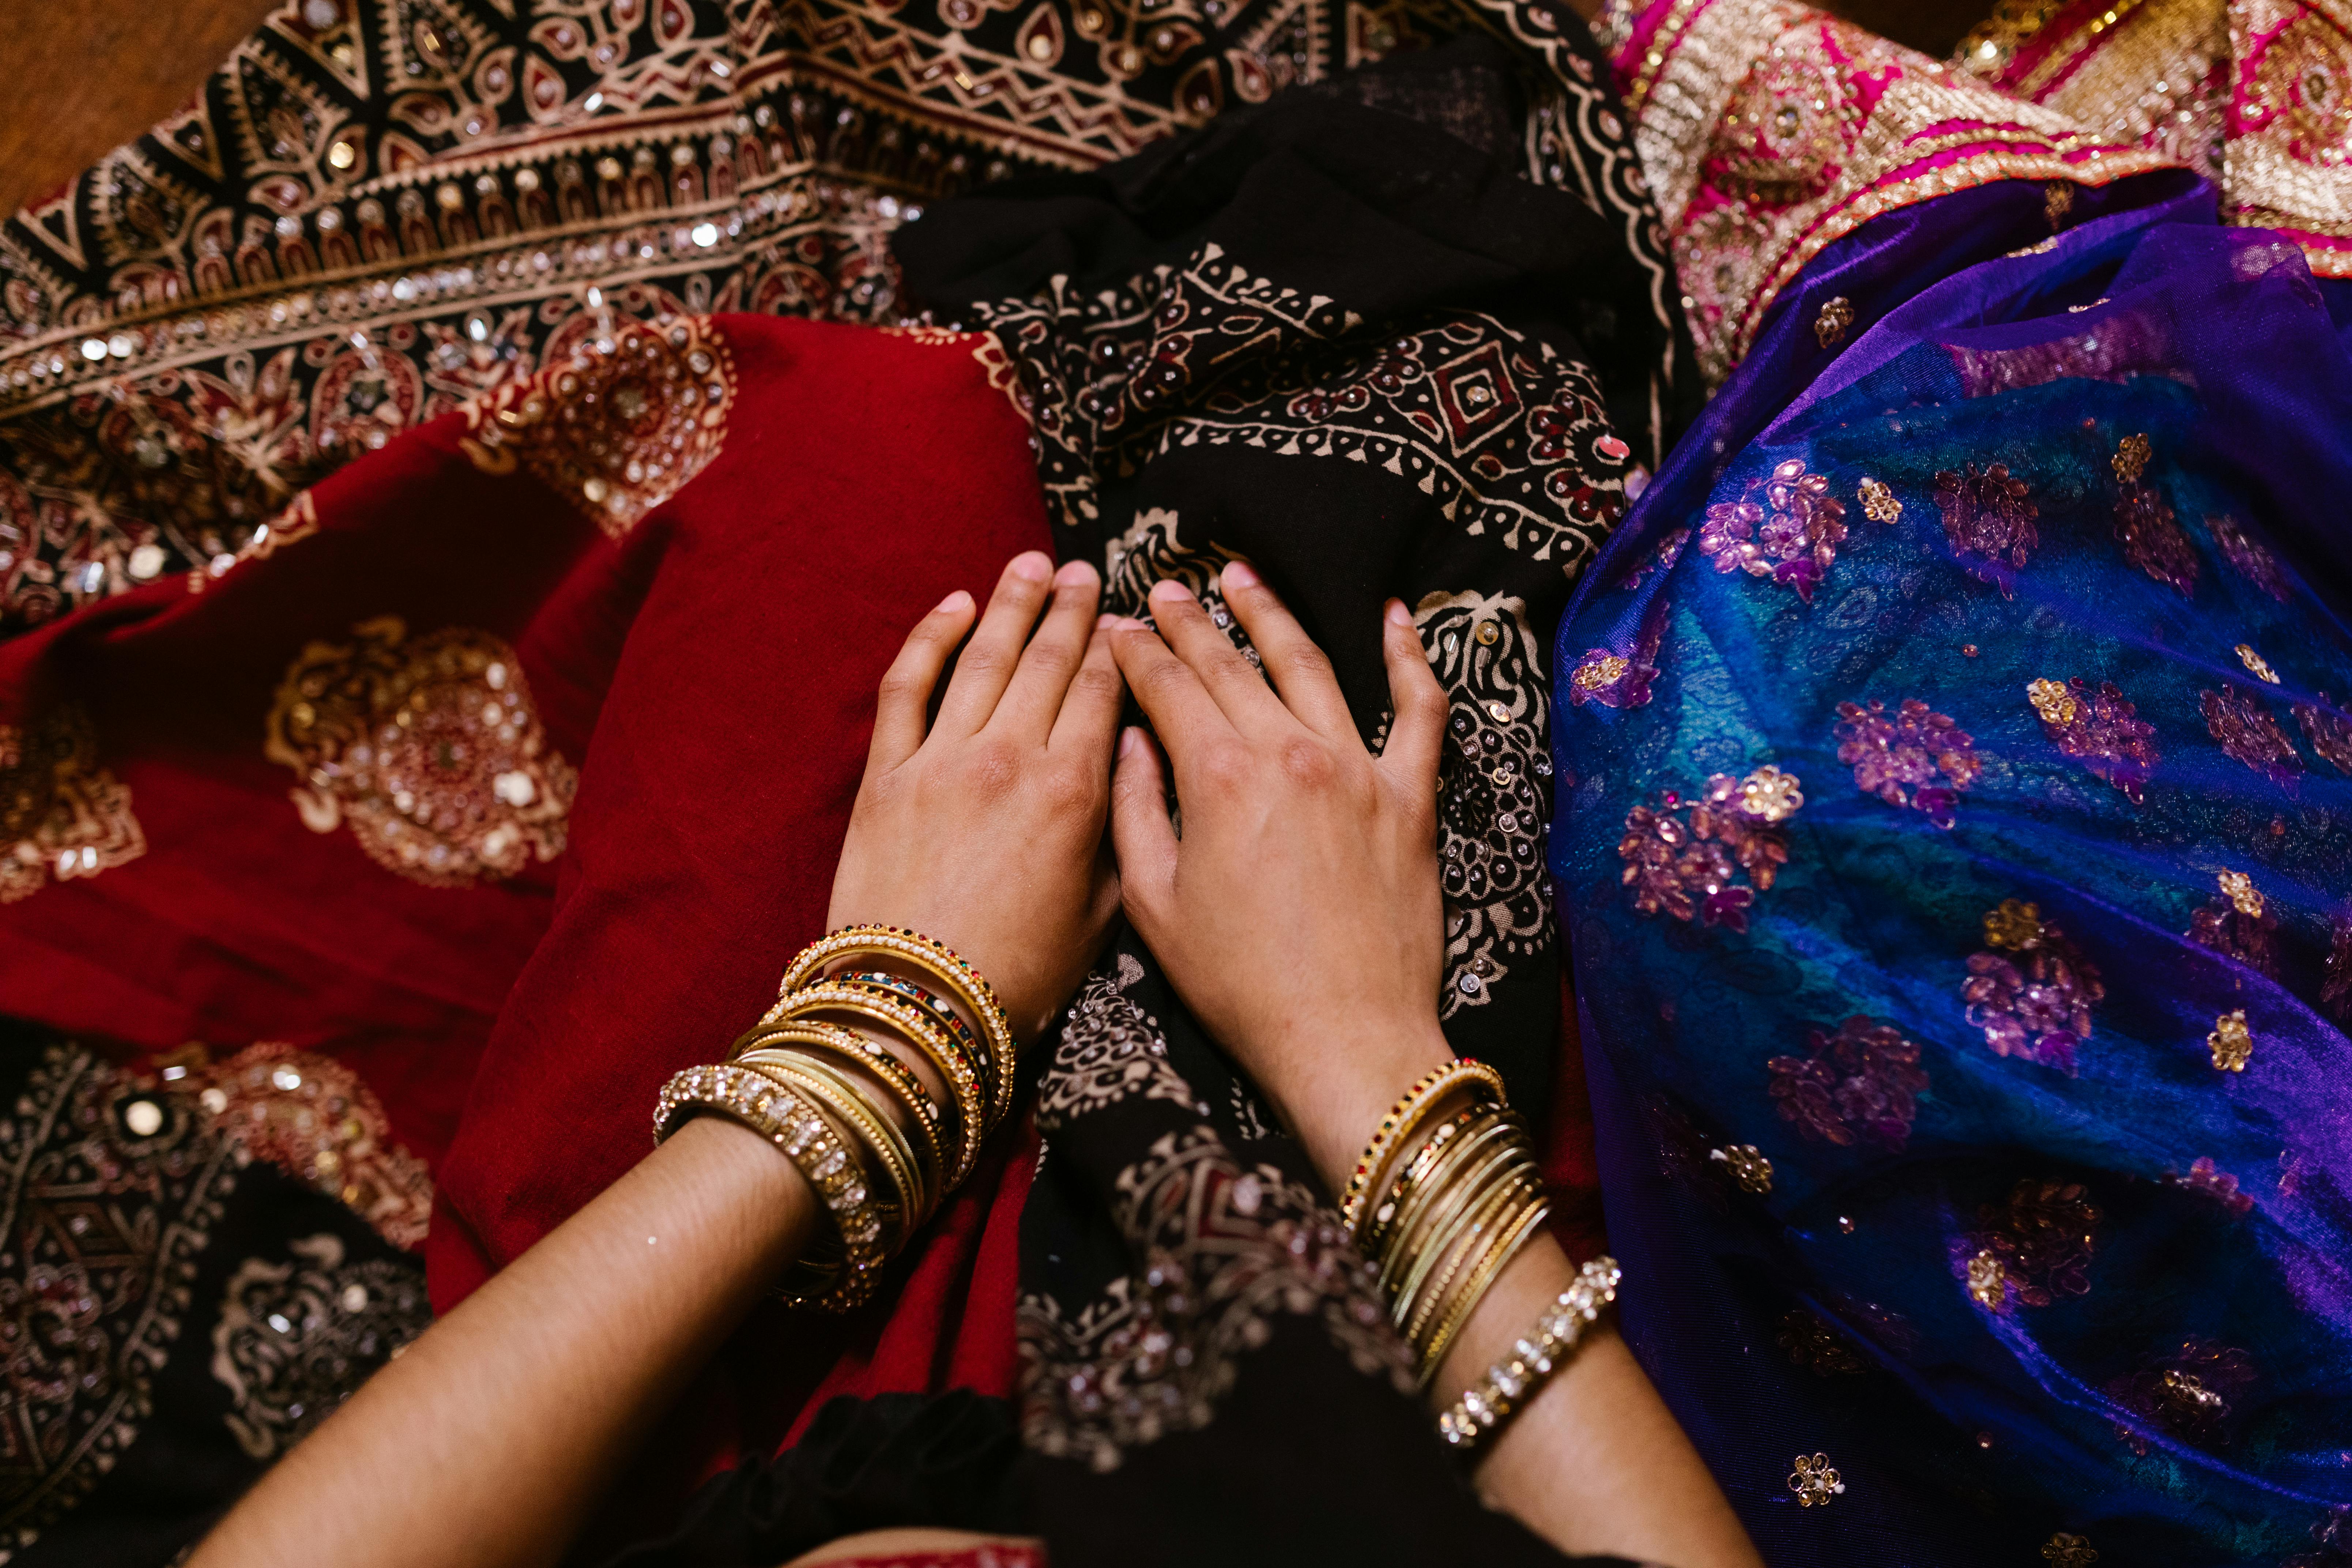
(1299, 916)
(985, 830)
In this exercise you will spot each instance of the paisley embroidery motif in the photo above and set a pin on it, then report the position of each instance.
(1232, 1250)
(2251, 560)
(2151, 537)
(62, 815)
(1494, 789)
(1110, 1049)
(109, 1193)
(1507, 435)
(1989, 522)
(312, 1117)
(295, 1340)
(624, 425)
(429, 747)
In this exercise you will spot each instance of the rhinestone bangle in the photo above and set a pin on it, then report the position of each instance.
(1514, 1381)
(833, 1172)
(918, 1026)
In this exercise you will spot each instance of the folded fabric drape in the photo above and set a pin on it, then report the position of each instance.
(1951, 846)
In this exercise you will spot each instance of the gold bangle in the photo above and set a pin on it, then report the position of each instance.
(847, 1046)
(1424, 1249)
(835, 1094)
(1405, 1116)
(831, 1169)
(922, 996)
(1464, 1240)
(921, 1148)
(1507, 1240)
(958, 1037)
(1377, 1219)
(1521, 1373)
(918, 1028)
(941, 961)
(1441, 1189)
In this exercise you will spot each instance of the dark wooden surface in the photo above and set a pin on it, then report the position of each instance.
(86, 77)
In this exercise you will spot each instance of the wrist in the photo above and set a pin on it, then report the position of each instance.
(1357, 1076)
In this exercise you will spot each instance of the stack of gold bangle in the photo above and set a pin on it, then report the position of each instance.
(817, 1077)
(1442, 1199)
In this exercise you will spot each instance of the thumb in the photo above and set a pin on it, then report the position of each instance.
(1140, 833)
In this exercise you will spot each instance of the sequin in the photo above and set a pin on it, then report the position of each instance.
(1814, 1481)
(2101, 728)
(2243, 725)
(2254, 563)
(1987, 1279)
(1621, 680)
(1836, 316)
(2042, 1235)
(1989, 522)
(2204, 1178)
(2255, 662)
(1691, 869)
(2231, 1043)
(1790, 537)
(1812, 1344)
(1746, 1165)
(2152, 537)
(1859, 1084)
(2187, 1393)
(2065, 1551)
(1669, 551)
(2328, 731)
(1878, 502)
(2042, 1011)
(1914, 758)
(2237, 925)
(62, 813)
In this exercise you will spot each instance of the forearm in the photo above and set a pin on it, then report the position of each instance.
(484, 1444)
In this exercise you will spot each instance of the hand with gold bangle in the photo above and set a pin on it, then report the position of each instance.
(1300, 919)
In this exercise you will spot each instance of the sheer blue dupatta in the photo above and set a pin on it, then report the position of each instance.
(1955, 847)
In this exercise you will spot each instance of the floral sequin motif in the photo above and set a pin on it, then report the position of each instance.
(2327, 730)
(1814, 1481)
(2040, 1237)
(1989, 521)
(2151, 537)
(2099, 726)
(2187, 1393)
(1878, 502)
(2037, 1003)
(2249, 558)
(2256, 664)
(2241, 722)
(429, 747)
(2065, 1550)
(2230, 1041)
(1913, 757)
(1662, 559)
(1691, 868)
(619, 429)
(2209, 1181)
(62, 815)
(1745, 1164)
(1859, 1084)
(1785, 526)
(2239, 925)
(1621, 680)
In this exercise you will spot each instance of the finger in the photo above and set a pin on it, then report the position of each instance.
(1170, 695)
(1030, 704)
(994, 653)
(1089, 715)
(1417, 736)
(1239, 690)
(1140, 833)
(898, 712)
(1301, 672)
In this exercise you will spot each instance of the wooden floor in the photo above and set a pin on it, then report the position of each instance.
(86, 77)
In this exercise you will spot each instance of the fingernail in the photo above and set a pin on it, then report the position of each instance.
(1130, 624)
(1397, 614)
(1031, 566)
(1071, 575)
(1105, 623)
(958, 600)
(1169, 590)
(1238, 574)
(1129, 740)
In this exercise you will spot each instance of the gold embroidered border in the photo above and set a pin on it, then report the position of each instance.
(2294, 169)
